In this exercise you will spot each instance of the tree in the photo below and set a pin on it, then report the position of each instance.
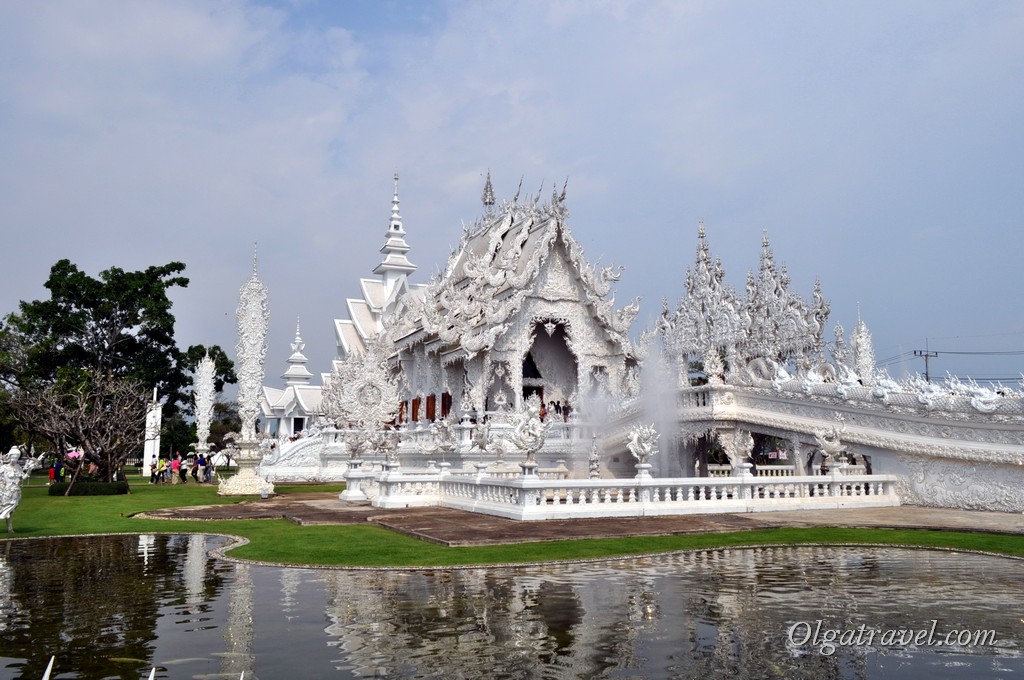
(177, 434)
(100, 415)
(225, 420)
(119, 324)
(82, 352)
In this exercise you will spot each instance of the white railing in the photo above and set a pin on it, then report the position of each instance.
(535, 498)
(715, 470)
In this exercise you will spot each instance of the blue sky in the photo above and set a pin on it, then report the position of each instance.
(878, 143)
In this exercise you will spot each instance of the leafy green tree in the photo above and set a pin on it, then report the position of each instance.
(225, 420)
(94, 339)
(177, 434)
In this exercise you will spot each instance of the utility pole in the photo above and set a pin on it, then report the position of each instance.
(926, 355)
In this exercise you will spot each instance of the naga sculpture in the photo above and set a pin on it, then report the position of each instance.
(830, 442)
(642, 442)
(529, 431)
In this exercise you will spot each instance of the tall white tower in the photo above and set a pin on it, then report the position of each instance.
(395, 266)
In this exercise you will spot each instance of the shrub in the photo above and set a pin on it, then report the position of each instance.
(90, 488)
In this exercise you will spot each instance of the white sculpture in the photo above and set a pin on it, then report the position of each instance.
(830, 442)
(361, 391)
(252, 317)
(443, 440)
(529, 431)
(12, 472)
(594, 460)
(203, 398)
(642, 442)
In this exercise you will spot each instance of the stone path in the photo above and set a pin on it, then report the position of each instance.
(460, 528)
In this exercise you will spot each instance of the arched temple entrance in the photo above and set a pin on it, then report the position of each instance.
(549, 367)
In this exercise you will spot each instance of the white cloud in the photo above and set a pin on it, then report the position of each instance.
(137, 133)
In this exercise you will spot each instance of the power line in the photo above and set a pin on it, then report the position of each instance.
(1007, 353)
(926, 354)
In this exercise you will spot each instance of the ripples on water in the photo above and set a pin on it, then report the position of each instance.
(716, 613)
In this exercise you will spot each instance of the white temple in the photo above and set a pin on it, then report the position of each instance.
(517, 349)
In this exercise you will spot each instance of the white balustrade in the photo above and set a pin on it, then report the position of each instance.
(536, 498)
(761, 470)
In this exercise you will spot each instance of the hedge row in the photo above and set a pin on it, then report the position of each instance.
(89, 488)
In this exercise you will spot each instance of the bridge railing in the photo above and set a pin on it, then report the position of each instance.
(535, 498)
(715, 470)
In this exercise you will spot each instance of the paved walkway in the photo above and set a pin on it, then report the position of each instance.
(460, 528)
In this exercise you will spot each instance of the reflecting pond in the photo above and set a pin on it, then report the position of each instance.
(114, 606)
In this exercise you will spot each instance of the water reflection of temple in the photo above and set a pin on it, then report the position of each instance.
(713, 613)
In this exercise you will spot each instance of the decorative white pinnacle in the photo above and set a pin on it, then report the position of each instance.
(253, 317)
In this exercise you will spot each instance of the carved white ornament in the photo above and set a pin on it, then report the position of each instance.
(203, 398)
(528, 431)
(362, 392)
(253, 316)
(642, 442)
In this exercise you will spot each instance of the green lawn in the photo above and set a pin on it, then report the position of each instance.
(370, 545)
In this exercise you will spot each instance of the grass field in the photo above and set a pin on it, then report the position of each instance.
(369, 545)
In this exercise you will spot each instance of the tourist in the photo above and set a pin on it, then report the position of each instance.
(161, 471)
(53, 474)
(175, 468)
(208, 470)
(195, 470)
(201, 466)
(182, 469)
(152, 472)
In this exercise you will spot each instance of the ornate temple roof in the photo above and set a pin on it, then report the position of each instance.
(769, 322)
(494, 269)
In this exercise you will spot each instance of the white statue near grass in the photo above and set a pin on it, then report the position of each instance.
(12, 473)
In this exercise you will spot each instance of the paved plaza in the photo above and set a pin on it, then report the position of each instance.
(459, 528)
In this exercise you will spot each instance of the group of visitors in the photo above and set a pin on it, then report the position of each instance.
(56, 472)
(177, 469)
(556, 409)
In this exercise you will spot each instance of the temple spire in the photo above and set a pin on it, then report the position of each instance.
(488, 195)
(396, 216)
(395, 266)
(297, 373)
